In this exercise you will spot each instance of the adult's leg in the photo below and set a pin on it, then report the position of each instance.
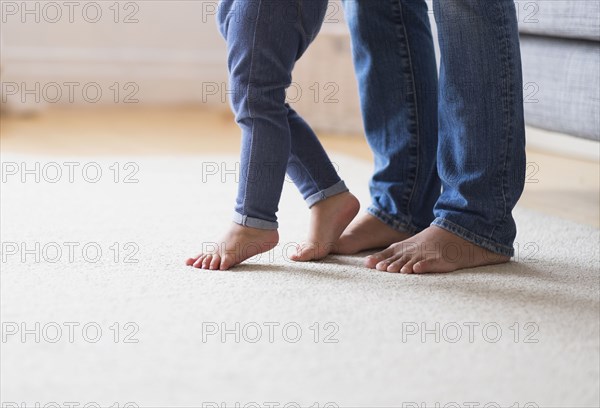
(396, 70)
(481, 153)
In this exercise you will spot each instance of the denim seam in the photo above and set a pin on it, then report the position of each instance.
(249, 105)
(414, 110)
(510, 118)
(475, 239)
(507, 126)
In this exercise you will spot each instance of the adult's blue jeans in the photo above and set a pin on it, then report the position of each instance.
(265, 38)
(449, 153)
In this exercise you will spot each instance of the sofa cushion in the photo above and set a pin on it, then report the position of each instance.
(562, 85)
(560, 18)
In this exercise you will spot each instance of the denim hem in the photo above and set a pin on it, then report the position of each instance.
(337, 188)
(393, 222)
(254, 222)
(473, 238)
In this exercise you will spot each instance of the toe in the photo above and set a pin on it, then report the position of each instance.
(227, 262)
(372, 261)
(295, 256)
(198, 262)
(423, 266)
(434, 266)
(409, 266)
(383, 265)
(394, 267)
(206, 261)
(305, 253)
(215, 263)
(191, 261)
(397, 264)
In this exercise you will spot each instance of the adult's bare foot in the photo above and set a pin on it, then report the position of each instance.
(367, 232)
(432, 250)
(328, 220)
(238, 244)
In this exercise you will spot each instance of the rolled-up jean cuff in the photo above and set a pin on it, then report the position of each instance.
(254, 222)
(337, 188)
(397, 223)
(473, 238)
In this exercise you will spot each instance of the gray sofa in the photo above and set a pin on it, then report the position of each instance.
(560, 42)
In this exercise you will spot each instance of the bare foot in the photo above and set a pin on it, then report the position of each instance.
(367, 232)
(432, 250)
(328, 220)
(238, 244)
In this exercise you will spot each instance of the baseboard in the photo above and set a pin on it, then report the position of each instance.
(563, 145)
(160, 75)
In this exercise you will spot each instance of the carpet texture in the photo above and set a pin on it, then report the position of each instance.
(271, 332)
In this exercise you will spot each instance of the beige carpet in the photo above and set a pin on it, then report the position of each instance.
(525, 332)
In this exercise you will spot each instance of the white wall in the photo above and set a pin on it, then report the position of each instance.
(153, 52)
(167, 48)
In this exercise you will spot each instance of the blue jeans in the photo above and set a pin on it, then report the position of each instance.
(265, 38)
(450, 154)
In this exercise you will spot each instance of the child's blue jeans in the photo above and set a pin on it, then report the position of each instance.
(265, 38)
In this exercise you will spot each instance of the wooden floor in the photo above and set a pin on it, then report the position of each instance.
(561, 186)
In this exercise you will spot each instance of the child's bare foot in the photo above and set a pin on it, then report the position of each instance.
(238, 244)
(367, 232)
(432, 250)
(328, 220)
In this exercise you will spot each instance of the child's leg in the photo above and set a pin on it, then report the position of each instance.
(332, 206)
(264, 40)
